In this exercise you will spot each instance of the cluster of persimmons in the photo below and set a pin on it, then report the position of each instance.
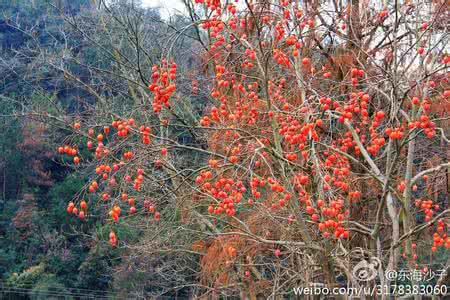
(271, 146)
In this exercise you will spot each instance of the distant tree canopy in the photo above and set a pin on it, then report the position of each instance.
(50, 53)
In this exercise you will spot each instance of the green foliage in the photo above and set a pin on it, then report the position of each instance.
(57, 199)
(54, 251)
(7, 258)
(48, 287)
(10, 159)
(59, 257)
(38, 282)
(28, 277)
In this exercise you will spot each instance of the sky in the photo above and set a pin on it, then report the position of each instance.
(167, 6)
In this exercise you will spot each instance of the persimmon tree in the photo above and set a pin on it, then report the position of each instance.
(320, 141)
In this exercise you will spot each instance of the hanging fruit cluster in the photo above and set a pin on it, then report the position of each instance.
(162, 85)
(114, 176)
